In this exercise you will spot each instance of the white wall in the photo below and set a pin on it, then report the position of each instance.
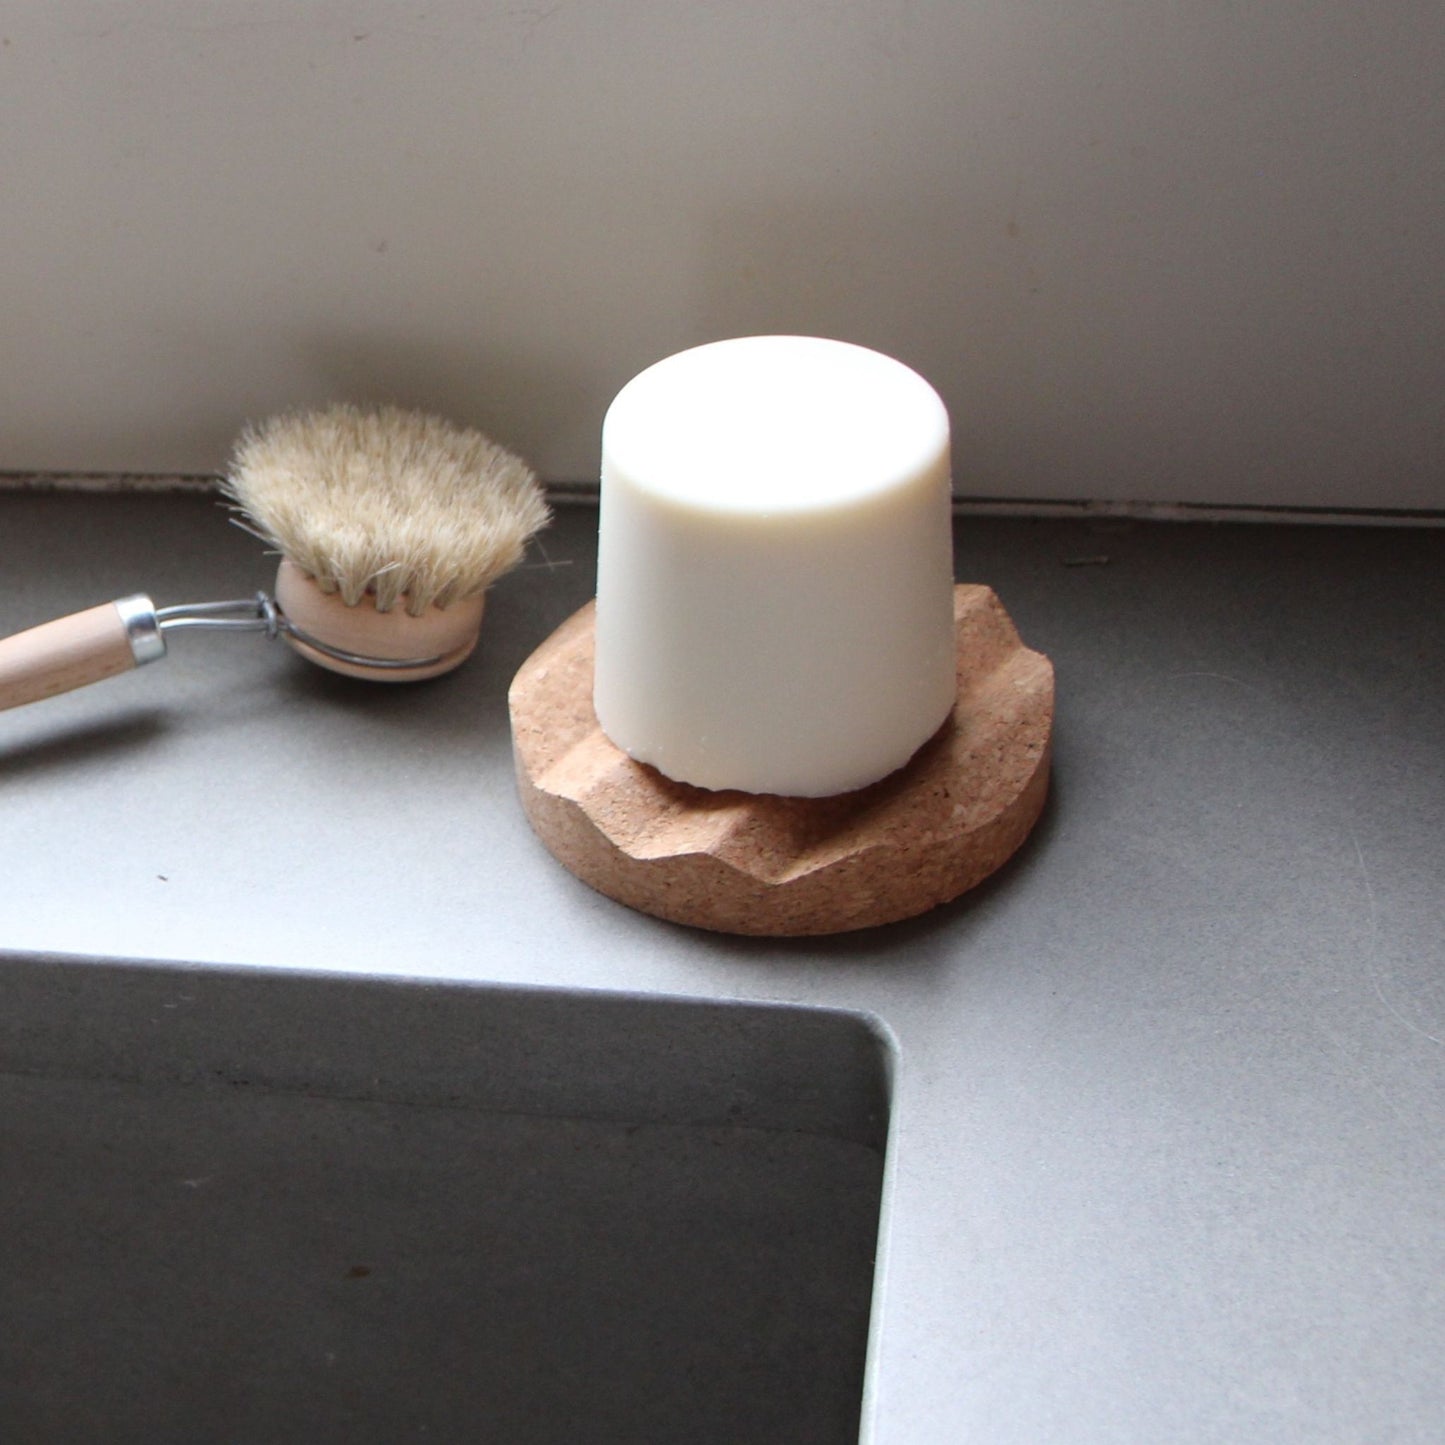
(1178, 250)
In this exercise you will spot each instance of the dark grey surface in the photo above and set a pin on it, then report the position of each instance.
(257, 1208)
(1165, 1156)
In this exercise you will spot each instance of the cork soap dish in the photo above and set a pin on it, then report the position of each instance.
(761, 864)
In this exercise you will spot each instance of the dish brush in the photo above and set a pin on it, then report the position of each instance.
(391, 527)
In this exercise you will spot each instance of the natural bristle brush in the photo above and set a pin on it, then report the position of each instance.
(391, 526)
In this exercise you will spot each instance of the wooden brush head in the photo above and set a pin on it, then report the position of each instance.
(444, 636)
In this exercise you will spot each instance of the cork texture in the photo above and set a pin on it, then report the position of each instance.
(761, 864)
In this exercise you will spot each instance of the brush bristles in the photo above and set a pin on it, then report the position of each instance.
(388, 504)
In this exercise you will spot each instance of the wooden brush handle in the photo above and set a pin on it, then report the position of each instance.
(67, 653)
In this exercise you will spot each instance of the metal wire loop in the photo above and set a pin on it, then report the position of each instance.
(261, 614)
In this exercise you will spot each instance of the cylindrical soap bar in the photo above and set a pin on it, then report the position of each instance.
(775, 566)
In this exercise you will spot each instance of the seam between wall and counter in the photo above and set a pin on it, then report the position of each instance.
(585, 494)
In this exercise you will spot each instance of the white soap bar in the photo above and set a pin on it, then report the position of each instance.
(775, 566)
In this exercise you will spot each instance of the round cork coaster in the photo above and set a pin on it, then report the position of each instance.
(761, 864)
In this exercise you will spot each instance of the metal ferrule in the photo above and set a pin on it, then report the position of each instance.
(142, 628)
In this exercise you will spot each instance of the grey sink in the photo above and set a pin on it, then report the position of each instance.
(249, 1206)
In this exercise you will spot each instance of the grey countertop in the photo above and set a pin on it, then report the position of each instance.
(1166, 1154)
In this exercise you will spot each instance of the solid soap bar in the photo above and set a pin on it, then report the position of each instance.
(775, 570)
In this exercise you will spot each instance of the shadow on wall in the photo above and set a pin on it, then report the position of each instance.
(515, 398)
(1120, 332)
(518, 399)
(920, 278)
